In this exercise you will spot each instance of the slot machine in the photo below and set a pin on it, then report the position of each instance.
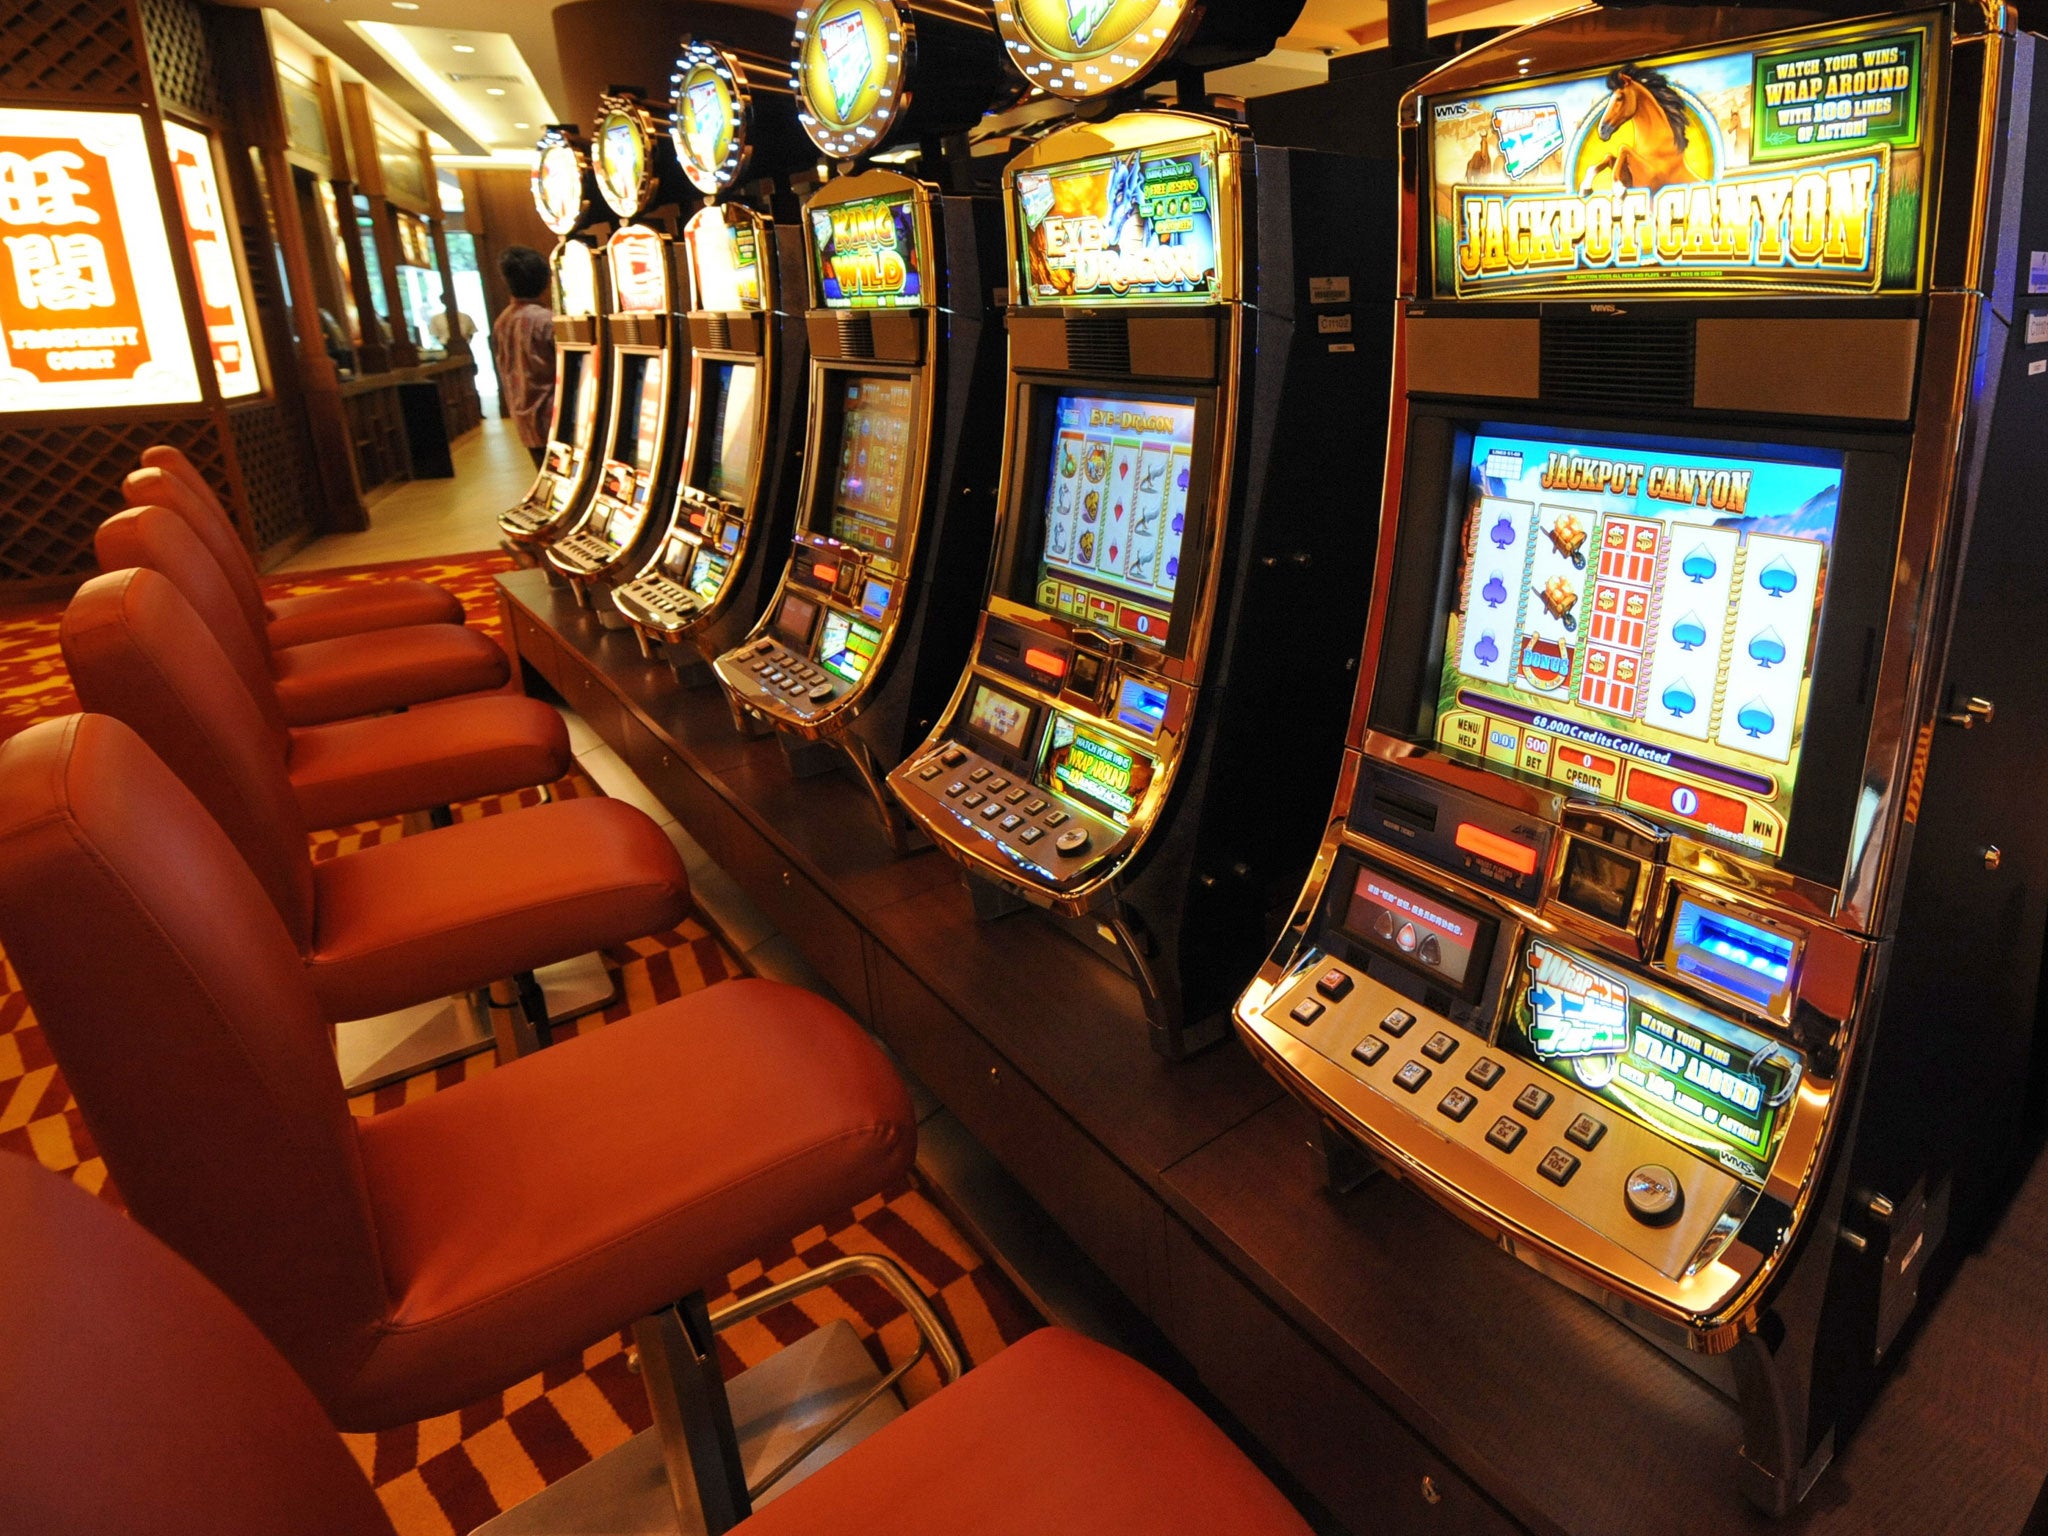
(702, 582)
(565, 193)
(859, 646)
(648, 387)
(1132, 743)
(1679, 921)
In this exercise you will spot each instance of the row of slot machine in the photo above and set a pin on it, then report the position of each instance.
(1621, 501)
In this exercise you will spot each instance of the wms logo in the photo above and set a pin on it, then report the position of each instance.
(848, 59)
(1084, 16)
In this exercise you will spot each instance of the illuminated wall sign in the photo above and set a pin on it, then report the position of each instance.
(850, 72)
(1138, 227)
(710, 118)
(575, 278)
(725, 259)
(1795, 167)
(867, 253)
(213, 261)
(623, 157)
(558, 181)
(89, 306)
(639, 261)
(1077, 48)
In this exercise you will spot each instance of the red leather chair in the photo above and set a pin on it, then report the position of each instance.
(204, 1431)
(397, 923)
(321, 680)
(415, 1261)
(167, 479)
(131, 642)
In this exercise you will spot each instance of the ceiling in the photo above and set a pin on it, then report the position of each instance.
(477, 100)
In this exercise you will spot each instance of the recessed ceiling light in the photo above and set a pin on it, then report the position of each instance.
(522, 125)
(404, 5)
(464, 48)
(494, 90)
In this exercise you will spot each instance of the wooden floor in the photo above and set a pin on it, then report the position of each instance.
(420, 519)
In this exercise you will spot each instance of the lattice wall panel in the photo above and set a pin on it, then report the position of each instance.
(272, 445)
(58, 484)
(68, 47)
(179, 56)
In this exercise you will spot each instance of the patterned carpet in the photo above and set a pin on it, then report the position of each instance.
(447, 1475)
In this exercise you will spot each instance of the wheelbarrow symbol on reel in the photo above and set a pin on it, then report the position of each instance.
(1568, 537)
(1561, 600)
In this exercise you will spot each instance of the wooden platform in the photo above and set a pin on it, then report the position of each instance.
(1409, 1374)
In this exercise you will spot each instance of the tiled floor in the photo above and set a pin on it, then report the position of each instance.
(419, 519)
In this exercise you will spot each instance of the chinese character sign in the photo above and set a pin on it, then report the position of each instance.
(1797, 166)
(89, 307)
(213, 261)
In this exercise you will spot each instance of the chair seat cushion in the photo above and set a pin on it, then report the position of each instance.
(388, 765)
(354, 675)
(1055, 1434)
(570, 1192)
(459, 907)
(358, 609)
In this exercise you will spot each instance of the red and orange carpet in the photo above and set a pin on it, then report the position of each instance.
(447, 1475)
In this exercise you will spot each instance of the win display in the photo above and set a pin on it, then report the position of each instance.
(1635, 618)
(1116, 507)
(874, 455)
(730, 431)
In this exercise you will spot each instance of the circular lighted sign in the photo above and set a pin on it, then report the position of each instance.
(711, 116)
(850, 67)
(1078, 48)
(558, 181)
(623, 155)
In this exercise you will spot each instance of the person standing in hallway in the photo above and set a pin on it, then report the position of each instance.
(523, 343)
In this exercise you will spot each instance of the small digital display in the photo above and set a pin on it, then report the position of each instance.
(1637, 618)
(874, 599)
(848, 646)
(1141, 705)
(1732, 953)
(999, 717)
(874, 462)
(793, 620)
(729, 535)
(676, 556)
(728, 428)
(1701, 1079)
(1116, 507)
(1093, 767)
(707, 575)
(1429, 933)
(1599, 882)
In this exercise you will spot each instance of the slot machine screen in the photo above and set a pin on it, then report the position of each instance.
(569, 395)
(1637, 618)
(847, 646)
(728, 430)
(1095, 768)
(620, 469)
(874, 462)
(707, 575)
(646, 425)
(1116, 507)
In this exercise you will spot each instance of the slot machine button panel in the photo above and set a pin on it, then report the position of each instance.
(1411, 1077)
(1397, 1022)
(1440, 1046)
(1585, 1131)
(1485, 1072)
(1030, 835)
(1306, 1012)
(1457, 1104)
(1335, 984)
(1370, 1050)
(1534, 1101)
(1506, 1133)
(1558, 1166)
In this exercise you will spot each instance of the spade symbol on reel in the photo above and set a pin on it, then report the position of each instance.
(1756, 718)
(1700, 565)
(1778, 577)
(1767, 649)
(1689, 633)
(1680, 700)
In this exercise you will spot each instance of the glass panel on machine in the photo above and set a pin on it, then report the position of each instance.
(569, 394)
(793, 620)
(1116, 507)
(1701, 1079)
(848, 646)
(707, 574)
(1428, 933)
(1137, 227)
(1090, 765)
(999, 717)
(867, 253)
(874, 462)
(1636, 619)
(729, 430)
(1797, 166)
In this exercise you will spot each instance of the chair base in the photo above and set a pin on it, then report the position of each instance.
(776, 1406)
(576, 986)
(393, 1046)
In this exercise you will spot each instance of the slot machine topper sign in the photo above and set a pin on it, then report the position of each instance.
(868, 253)
(1797, 167)
(1082, 48)
(89, 308)
(850, 68)
(559, 178)
(711, 118)
(1135, 226)
(624, 156)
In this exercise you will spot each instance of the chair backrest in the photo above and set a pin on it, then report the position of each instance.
(137, 651)
(159, 485)
(183, 1022)
(157, 539)
(135, 1398)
